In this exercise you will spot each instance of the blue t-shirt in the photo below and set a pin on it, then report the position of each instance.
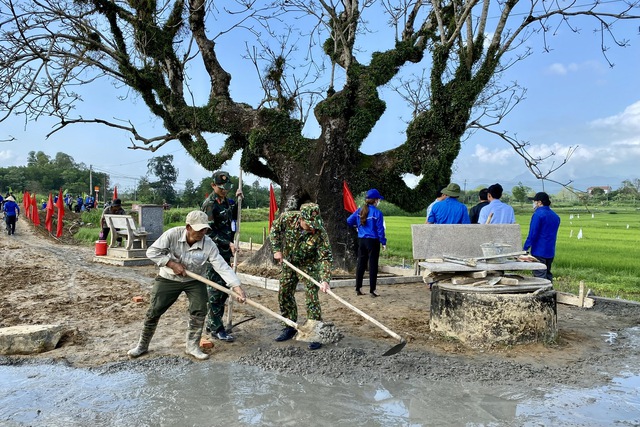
(449, 211)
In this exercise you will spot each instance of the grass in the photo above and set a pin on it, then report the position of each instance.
(606, 258)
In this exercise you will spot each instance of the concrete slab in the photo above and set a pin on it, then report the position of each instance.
(462, 240)
(274, 285)
(125, 262)
(124, 253)
(448, 267)
(29, 339)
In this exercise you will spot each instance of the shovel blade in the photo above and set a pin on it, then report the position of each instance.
(395, 349)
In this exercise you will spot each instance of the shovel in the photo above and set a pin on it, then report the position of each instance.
(303, 333)
(393, 350)
(236, 242)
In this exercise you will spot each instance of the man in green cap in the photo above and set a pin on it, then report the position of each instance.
(222, 213)
(450, 210)
(300, 238)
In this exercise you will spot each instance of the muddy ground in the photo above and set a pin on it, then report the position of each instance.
(45, 281)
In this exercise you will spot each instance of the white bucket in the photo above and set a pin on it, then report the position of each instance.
(492, 249)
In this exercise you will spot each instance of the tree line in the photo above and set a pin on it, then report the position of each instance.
(43, 174)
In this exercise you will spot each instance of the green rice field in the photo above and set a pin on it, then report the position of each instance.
(606, 258)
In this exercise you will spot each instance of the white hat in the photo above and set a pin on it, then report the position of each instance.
(10, 199)
(198, 220)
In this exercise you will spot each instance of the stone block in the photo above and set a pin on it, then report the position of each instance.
(461, 240)
(151, 217)
(29, 339)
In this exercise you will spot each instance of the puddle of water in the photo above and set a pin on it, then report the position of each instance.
(236, 395)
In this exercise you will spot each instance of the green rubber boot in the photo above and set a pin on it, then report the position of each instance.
(145, 338)
(193, 338)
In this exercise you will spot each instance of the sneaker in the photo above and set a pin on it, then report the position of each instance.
(359, 292)
(223, 336)
(373, 294)
(286, 334)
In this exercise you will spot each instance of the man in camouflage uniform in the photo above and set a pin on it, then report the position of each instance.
(222, 213)
(300, 238)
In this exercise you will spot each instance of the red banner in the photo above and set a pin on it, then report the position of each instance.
(347, 198)
(60, 206)
(48, 222)
(273, 205)
(26, 202)
(35, 215)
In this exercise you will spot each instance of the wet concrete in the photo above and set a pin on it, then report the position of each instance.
(178, 392)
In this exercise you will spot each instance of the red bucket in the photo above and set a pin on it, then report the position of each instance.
(101, 248)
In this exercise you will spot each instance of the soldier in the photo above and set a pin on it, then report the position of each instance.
(222, 213)
(300, 237)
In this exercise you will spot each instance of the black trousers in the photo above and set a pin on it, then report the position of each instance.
(368, 252)
(11, 223)
(545, 274)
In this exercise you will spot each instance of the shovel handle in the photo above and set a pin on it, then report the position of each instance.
(347, 304)
(247, 300)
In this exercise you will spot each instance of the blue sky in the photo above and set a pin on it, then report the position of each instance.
(573, 99)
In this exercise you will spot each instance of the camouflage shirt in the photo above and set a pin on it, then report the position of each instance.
(302, 248)
(221, 214)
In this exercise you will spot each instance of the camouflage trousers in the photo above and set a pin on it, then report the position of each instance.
(286, 296)
(215, 302)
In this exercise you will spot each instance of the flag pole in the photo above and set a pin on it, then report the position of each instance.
(236, 242)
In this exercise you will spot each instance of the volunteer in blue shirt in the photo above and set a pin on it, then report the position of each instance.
(11, 212)
(543, 232)
(450, 210)
(370, 223)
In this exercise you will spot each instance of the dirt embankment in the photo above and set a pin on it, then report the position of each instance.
(45, 281)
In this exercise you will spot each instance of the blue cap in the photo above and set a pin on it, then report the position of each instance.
(374, 194)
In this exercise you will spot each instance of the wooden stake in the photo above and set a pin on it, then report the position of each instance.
(581, 294)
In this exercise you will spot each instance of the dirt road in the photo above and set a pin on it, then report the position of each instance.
(44, 281)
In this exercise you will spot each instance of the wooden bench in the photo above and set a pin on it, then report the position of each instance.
(125, 226)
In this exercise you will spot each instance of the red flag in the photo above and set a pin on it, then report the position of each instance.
(26, 202)
(273, 205)
(347, 199)
(35, 215)
(60, 206)
(47, 221)
(115, 193)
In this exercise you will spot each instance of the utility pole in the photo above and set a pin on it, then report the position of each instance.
(90, 179)
(465, 191)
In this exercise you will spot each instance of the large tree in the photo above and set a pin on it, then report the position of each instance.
(153, 47)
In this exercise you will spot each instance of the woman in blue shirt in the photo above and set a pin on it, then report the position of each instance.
(11, 212)
(370, 223)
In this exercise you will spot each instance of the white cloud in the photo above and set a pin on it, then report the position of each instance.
(626, 122)
(6, 155)
(560, 69)
(499, 156)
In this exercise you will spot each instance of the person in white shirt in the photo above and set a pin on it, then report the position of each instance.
(177, 250)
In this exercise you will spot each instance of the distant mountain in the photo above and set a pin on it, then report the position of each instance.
(549, 187)
(578, 183)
